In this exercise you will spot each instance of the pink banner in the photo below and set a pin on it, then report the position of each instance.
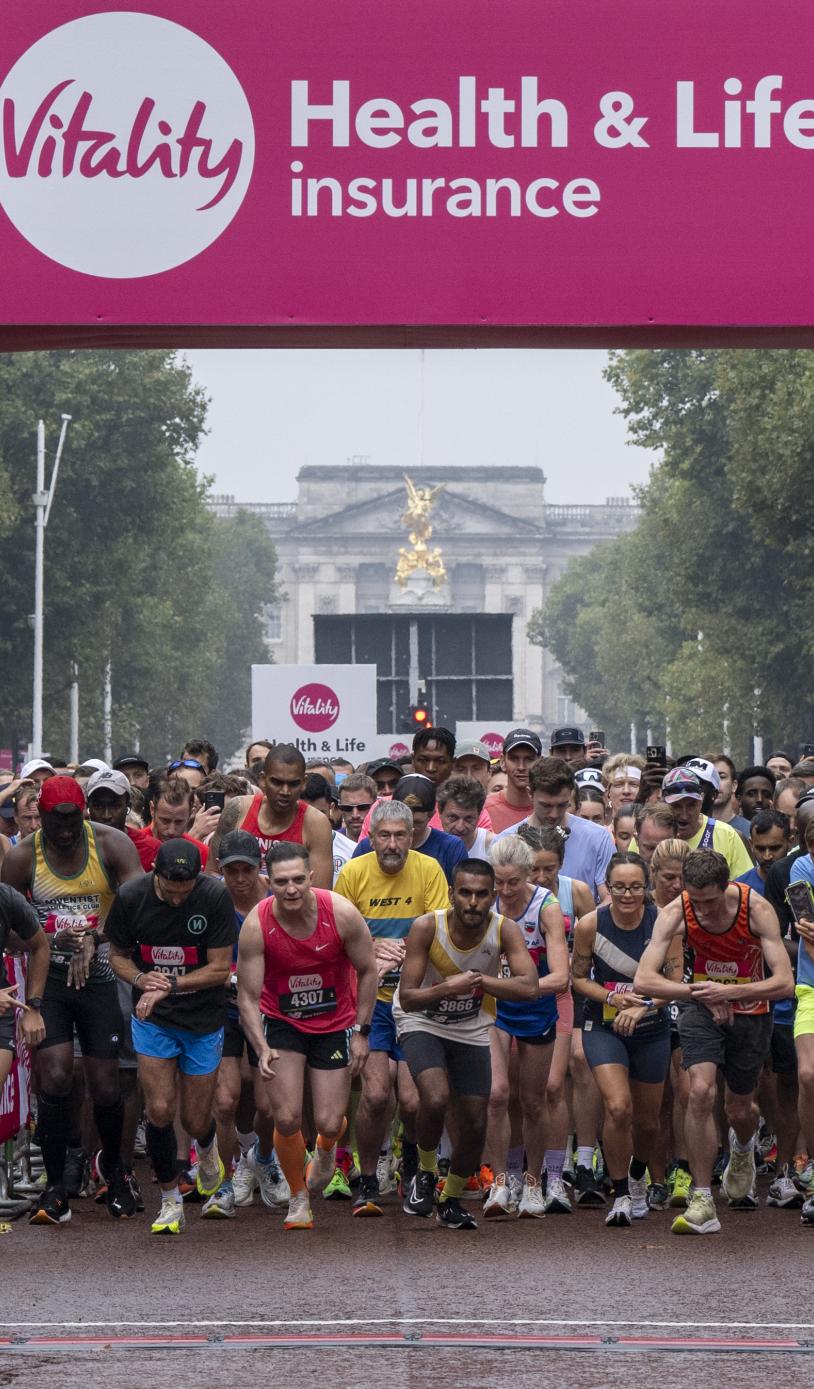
(14, 1098)
(444, 162)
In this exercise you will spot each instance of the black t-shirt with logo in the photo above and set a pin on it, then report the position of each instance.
(15, 915)
(175, 940)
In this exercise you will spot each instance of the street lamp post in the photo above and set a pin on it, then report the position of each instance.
(42, 500)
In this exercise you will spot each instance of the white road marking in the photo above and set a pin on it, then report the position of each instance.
(318, 1322)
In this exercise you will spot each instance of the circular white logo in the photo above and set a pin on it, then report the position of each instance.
(126, 145)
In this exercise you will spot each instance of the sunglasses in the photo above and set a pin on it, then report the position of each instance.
(365, 806)
(186, 762)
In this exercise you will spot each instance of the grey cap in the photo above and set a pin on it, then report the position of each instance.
(108, 780)
(473, 749)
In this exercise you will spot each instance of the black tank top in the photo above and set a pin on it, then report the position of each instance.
(616, 954)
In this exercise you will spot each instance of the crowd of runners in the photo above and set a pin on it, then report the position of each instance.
(507, 988)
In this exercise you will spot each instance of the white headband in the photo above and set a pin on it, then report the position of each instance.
(627, 774)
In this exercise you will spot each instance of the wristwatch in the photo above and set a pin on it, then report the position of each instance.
(363, 1028)
(34, 1002)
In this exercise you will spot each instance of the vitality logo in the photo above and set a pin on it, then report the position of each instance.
(126, 145)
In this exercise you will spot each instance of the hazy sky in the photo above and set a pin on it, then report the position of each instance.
(273, 411)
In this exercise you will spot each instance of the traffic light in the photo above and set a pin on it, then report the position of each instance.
(417, 716)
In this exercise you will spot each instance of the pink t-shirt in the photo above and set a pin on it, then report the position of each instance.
(504, 815)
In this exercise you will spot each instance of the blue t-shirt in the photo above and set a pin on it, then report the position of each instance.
(802, 870)
(753, 880)
(589, 849)
(446, 849)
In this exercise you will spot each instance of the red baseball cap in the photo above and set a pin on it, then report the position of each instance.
(61, 793)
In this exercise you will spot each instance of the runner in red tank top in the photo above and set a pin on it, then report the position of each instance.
(277, 814)
(307, 982)
(724, 1020)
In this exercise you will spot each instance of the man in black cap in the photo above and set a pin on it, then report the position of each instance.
(385, 774)
(172, 935)
(568, 744)
(135, 768)
(521, 747)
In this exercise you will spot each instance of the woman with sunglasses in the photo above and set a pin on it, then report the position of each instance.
(625, 1036)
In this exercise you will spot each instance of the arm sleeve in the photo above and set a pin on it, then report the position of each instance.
(21, 917)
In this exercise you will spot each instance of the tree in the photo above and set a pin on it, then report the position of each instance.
(711, 554)
(133, 560)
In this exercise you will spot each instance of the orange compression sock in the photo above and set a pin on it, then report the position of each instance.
(326, 1141)
(290, 1150)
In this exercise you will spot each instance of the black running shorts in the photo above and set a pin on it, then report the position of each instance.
(93, 1011)
(468, 1067)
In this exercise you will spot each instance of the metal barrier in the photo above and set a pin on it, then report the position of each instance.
(20, 1166)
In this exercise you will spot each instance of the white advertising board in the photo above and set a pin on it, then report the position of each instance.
(326, 711)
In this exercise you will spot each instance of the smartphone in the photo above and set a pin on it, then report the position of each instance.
(801, 900)
(214, 799)
(808, 750)
(656, 755)
(597, 735)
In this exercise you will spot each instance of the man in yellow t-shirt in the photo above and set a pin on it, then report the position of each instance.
(390, 887)
(684, 791)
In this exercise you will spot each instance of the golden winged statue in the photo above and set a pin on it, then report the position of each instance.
(416, 517)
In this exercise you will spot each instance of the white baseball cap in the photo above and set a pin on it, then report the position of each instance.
(35, 765)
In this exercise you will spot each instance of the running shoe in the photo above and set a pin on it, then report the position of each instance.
(515, 1184)
(767, 1156)
(803, 1176)
(569, 1176)
(211, 1171)
(408, 1166)
(51, 1209)
(96, 1179)
(320, 1169)
(244, 1181)
(531, 1205)
(638, 1197)
(299, 1216)
(338, 1188)
(452, 1214)
(739, 1180)
(620, 1213)
(385, 1174)
(367, 1199)
(719, 1168)
(274, 1189)
(473, 1190)
(587, 1190)
(420, 1198)
(76, 1174)
(485, 1177)
(354, 1171)
(120, 1200)
(187, 1184)
(140, 1141)
(221, 1205)
(498, 1202)
(682, 1187)
(783, 1192)
(171, 1219)
(557, 1201)
(699, 1218)
(658, 1196)
(807, 1213)
(135, 1191)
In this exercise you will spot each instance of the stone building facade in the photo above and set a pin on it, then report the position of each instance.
(464, 645)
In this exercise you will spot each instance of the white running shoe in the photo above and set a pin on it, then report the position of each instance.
(299, 1215)
(498, 1201)
(221, 1206)
(211, 1171)
(274, 1189)
(531, 1203)
(244, 1181)
(385, 1174)
(320, 1169)
(783, 1192)
(620, 1212)
(739, 1180)
(639, 1207)
(557, 1201)
(170, 1219)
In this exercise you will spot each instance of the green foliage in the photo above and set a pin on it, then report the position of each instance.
(723, 548)
(137, 570)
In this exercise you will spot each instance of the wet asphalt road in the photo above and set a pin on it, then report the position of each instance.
(403, 1277)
